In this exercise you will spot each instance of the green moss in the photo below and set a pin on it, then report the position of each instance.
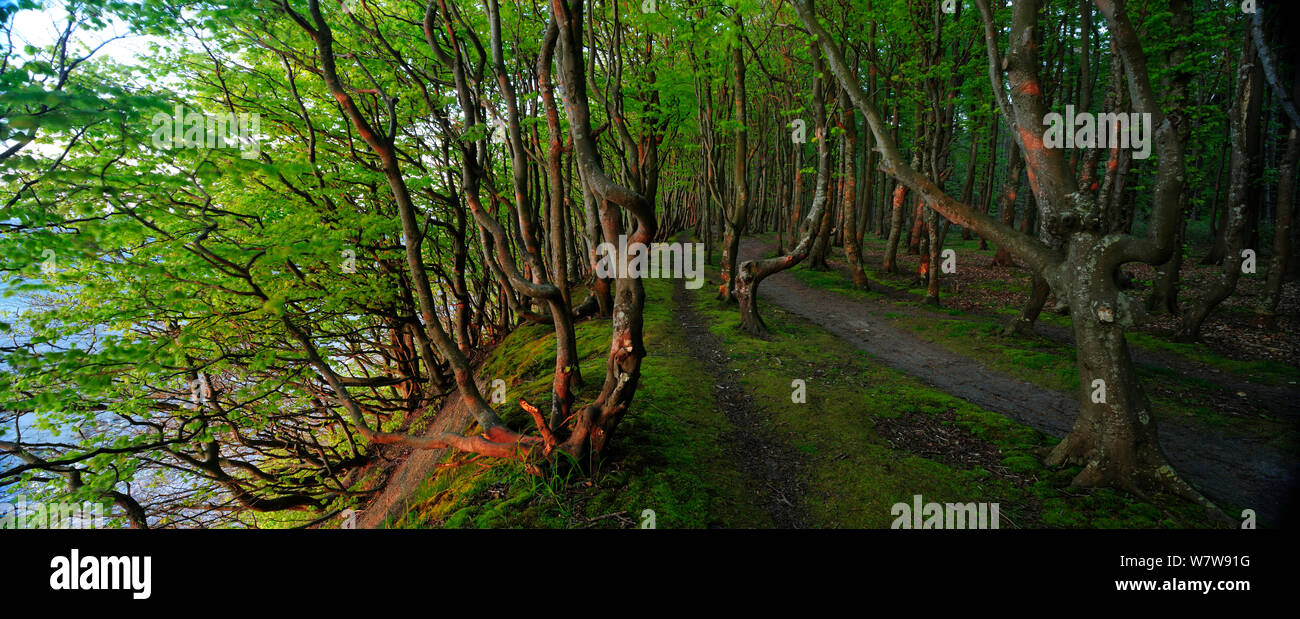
(667, 455)
(1058, 513)
(1266, 372)
(1021, 463)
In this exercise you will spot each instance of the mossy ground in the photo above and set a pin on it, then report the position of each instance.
(667, 455)
(669, 458)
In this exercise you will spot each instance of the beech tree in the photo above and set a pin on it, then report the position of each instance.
(594, 424)
(231, 371)
(752, 272)
(1114, 438)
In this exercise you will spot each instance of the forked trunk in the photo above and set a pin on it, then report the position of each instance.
(1223, 283)
(747, 298)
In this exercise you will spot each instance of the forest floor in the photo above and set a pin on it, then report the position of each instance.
(772, 465)
(901, 399)
(717, 440)
(1238, 462)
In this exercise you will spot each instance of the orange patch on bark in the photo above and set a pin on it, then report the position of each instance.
(1033, 178)
(1032, 142)
(1031, 88)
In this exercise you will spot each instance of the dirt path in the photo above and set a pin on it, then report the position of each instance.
(1245, 471)
(773, 466)
(1274, 400)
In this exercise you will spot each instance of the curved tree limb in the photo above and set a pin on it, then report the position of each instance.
(1030, 249)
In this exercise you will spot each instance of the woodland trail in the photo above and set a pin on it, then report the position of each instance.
(1242, 470)
(1275, 400)
(771, 465)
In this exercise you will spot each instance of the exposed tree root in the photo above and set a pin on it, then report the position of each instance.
(1142, 474)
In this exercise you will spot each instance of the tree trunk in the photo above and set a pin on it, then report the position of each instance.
(934, 246)
(1222, 285)
(753, 272)
(822, 242)
(1114, 436)
(890, 264)
(1164, 292)
(594, 425)
(986, 191)
(1266, 314)
(852, 249)
(1007, 202)
(968, 184)
(740, 213)
(1038, 293)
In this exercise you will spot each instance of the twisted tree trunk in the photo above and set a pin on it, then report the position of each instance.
(753, 272)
